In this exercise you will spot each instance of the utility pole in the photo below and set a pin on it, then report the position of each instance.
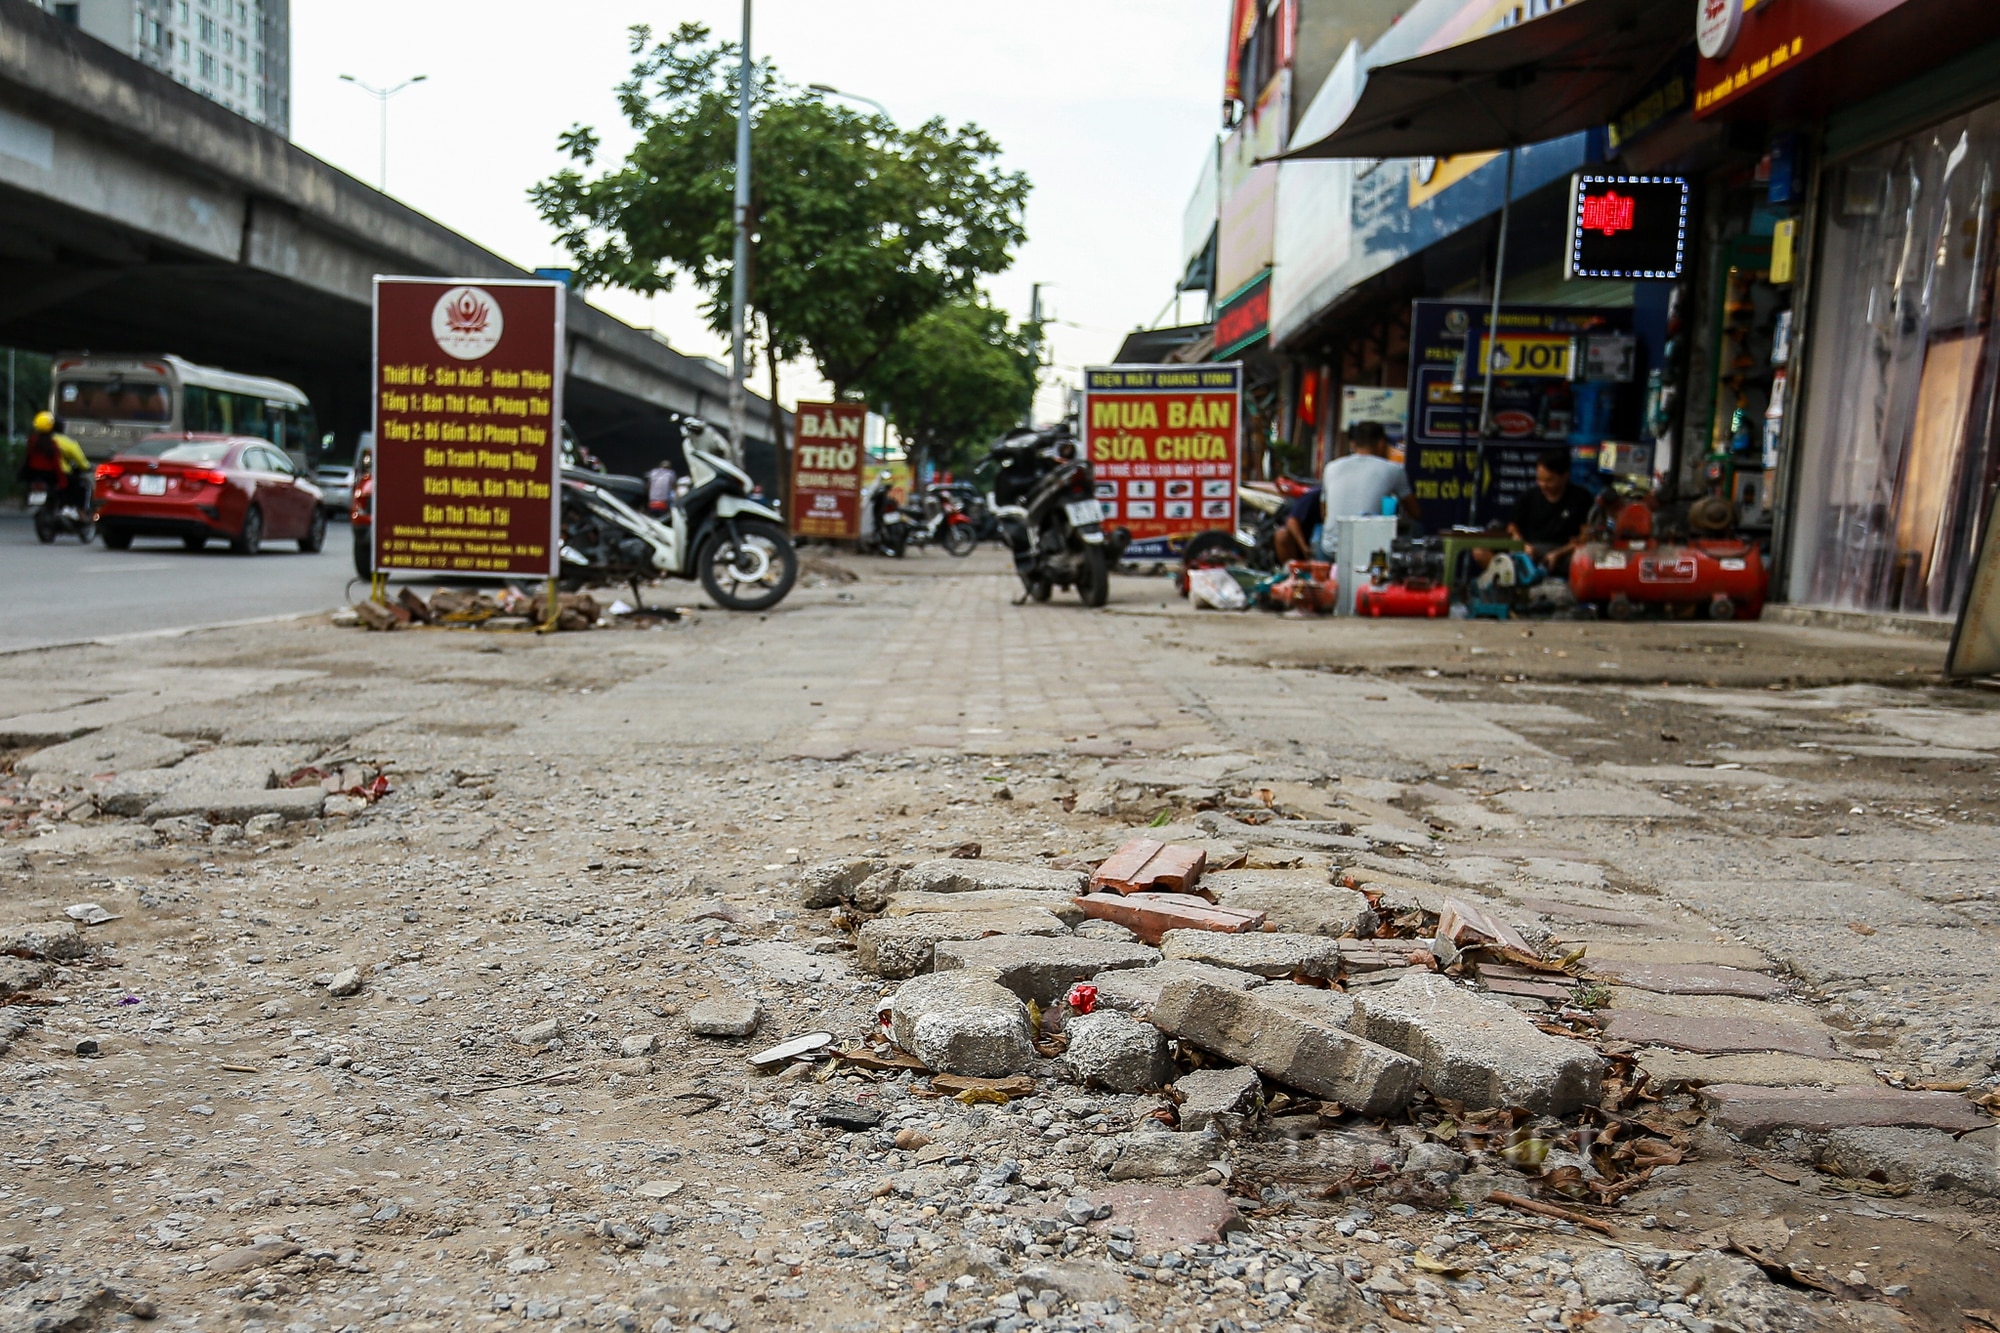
(739, 278)
(10, 394)
(1034, 350)
(382, 96)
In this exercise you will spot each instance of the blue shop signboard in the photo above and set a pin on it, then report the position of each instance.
(1545, 392)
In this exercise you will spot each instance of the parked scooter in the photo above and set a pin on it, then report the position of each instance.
(944, 522)
(885, 529)
(1262, 513)
(736, 546)
(1046, 500)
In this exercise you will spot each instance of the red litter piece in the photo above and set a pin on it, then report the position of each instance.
(1081, 998)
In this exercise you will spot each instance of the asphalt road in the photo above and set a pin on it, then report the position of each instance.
(66, 593)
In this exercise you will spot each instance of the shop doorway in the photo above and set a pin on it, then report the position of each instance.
(1898, 457)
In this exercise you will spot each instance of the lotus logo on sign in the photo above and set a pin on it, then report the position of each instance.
(466, 323)
(1716, 23)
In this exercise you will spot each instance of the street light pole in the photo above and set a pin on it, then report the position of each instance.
(382, 96)
(832, 91)
(1034, 350)
(739, 278)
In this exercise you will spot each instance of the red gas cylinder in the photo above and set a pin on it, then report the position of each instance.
(1432, 600)
(1724, 575)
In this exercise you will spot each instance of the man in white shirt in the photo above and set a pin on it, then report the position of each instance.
(1356, 483)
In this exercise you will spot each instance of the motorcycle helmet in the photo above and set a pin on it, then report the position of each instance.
(44, 422)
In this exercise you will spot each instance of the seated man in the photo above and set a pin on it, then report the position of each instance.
(1549, 519)
(1293, 541)
(1357, 482)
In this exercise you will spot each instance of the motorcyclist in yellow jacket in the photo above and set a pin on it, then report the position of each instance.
(56, 463)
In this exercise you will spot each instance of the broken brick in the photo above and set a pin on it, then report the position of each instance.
(1151, 915)
(1143, 865)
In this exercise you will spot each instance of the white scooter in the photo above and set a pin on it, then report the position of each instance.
(715, 532)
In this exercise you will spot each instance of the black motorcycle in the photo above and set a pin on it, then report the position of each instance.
(1045, 499)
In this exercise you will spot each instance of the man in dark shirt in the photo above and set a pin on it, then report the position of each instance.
(1293, 541)
(1549, 519)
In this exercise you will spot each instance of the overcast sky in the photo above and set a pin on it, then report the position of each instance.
(1108, 105)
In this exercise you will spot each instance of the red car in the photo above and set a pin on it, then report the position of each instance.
(198, 487)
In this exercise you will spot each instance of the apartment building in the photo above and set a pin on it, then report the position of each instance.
(236, 52)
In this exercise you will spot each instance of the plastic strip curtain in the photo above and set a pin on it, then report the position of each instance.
(1899, 418)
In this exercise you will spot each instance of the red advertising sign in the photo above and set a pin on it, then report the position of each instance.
(827, 458)
(468, 425)
(1163, 443)
(1746, 45)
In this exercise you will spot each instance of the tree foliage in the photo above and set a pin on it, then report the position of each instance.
(859, 228)
(954, 382)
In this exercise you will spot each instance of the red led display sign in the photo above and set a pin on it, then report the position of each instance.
(1627, 227)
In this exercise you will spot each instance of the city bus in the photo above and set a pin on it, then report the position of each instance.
(107, 403)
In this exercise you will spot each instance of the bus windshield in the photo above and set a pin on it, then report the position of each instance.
(115, 399)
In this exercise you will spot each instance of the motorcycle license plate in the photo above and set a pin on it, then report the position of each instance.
(38, 498)
(152, 485)
(1084, 512)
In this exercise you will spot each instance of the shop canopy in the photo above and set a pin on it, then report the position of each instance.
(1570, 69)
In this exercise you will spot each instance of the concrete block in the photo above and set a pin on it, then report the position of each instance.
(1149, 1156)
(962, 1022)
(896, 947)
(131, 791)
(1475, 1049)
(1041, 969)
(987, 900)
(1268, 954)
(724, 1016)
(1136, 990)
(1301, 902)
(1755, 1113)
(828, 883)
(1686, 978)
(1925, 1158)
(1108, 1049)
(234, 805)
(1717, 1036)
(1289, 1043)
(956, 876)
(1208, 1095)
(57, 941)
(113, 750)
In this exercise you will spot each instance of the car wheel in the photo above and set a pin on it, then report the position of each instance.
(251, 539)
(116, 538)
(315, 534)
(198, 542)
(364, 554)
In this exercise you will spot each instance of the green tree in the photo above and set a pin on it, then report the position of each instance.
(858, 228)
(955, 381)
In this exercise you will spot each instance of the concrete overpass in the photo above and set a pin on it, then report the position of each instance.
(136, 215)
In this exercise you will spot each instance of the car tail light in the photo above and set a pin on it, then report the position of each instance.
(202, 476)
(109, 471)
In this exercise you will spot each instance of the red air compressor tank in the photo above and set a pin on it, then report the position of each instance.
(1725, 575)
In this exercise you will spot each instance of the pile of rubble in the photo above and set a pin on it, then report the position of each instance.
(508, 608)
(1308, 1041)
(116, 788)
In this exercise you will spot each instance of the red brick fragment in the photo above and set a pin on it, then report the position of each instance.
(1142, 865)
(1152, 915)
